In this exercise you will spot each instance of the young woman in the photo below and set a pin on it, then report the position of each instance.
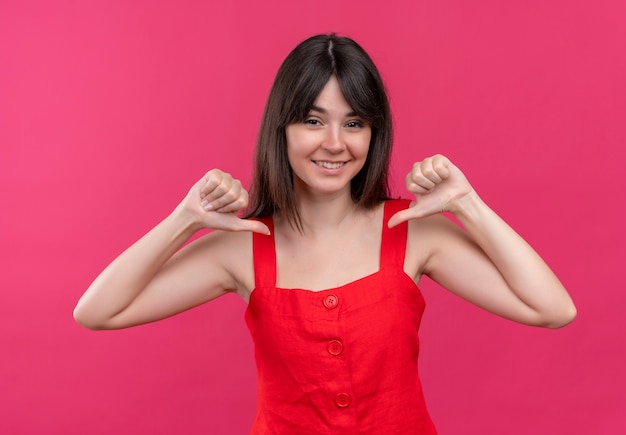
(327, 262)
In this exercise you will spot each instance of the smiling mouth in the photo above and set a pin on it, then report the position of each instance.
(329, 165)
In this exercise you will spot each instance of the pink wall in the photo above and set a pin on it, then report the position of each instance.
(109, 110)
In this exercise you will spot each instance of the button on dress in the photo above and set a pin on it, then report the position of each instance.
(341, 360)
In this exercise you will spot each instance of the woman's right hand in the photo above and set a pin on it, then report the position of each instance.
(215, 201)
(154, 278)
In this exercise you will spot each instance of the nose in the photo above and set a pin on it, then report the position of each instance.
(333, 141)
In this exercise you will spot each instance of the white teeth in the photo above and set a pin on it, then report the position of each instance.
(329, 165)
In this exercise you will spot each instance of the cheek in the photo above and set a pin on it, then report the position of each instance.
(294, 141)
(364, 145)
(292, 148)
(295, 152)
(290, 144)
(300, 145)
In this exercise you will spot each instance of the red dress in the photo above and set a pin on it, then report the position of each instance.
(342, 360)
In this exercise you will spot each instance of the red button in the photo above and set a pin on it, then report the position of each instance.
(331, 301)
(335, 347)
(342, 400)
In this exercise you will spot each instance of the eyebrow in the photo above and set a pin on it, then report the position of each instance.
(324, 111)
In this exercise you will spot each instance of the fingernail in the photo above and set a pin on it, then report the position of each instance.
(205, 204)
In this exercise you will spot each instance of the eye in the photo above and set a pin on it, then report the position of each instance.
(354, 124)
(312, 121)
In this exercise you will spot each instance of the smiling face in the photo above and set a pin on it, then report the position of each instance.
(329, 147)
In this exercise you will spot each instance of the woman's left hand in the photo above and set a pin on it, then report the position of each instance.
(438, 187)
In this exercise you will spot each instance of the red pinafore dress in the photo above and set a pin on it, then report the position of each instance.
(341, 360)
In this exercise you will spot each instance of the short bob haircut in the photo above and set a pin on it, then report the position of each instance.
(299, 81)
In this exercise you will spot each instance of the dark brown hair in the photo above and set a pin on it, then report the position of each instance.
(299, 81)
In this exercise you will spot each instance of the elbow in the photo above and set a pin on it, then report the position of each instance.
(87, 321)
(82, 320)
(562, 318)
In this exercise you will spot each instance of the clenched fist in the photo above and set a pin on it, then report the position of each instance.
(215, 201)
(437, 185)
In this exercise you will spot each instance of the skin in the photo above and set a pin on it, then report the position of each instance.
(488, 264)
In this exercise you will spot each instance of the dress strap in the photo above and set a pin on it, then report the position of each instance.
(393, 243)
(264, 254)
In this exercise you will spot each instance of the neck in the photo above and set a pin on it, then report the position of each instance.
(325, 214)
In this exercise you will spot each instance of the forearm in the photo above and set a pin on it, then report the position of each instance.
(525, 272)
(129, 274)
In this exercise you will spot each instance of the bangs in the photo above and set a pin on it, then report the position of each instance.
(299, 107)
(304, 74)
(362, 94)
(301, 82)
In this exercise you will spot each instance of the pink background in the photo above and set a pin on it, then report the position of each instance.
(110, 110)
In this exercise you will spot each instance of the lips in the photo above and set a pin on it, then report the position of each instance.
(329, 165)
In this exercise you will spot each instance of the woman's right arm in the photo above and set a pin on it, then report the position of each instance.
(154, 278)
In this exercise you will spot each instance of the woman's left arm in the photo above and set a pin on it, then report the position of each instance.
(488, 264)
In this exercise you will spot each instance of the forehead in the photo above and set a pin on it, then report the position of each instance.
(331, 98)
